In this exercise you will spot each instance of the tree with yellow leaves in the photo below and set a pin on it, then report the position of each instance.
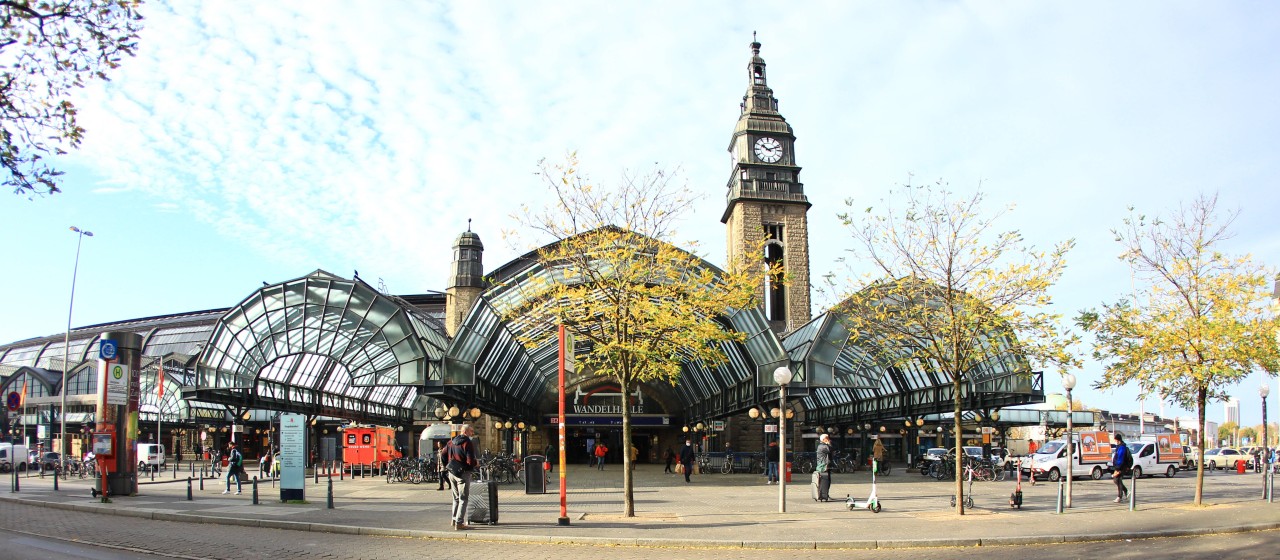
(949, 292)
(1198, 321)
(644, 306)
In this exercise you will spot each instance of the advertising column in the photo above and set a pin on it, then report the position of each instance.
(119, 354)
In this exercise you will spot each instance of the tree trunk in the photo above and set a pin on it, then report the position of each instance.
(628, 497)
(959, 445)
(1201, 395)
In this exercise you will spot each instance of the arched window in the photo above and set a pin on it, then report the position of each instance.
(775, 290)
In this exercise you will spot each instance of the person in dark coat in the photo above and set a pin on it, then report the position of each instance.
(771, 461)
(1121, 463)
(686, 458)
(670, 457)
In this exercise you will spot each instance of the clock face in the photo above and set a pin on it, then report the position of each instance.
(768, 150)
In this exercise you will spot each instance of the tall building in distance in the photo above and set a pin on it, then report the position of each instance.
(1232, 411)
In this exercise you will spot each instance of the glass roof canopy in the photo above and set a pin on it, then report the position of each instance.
(851, 385)
(321, 344)
(514, 377)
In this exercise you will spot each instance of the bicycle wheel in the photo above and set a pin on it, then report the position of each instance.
(727, 466)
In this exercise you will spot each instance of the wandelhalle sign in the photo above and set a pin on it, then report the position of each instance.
(606, 399)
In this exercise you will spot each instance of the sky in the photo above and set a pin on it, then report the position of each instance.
(257, 142)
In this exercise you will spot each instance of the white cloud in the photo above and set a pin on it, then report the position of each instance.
(318, 133)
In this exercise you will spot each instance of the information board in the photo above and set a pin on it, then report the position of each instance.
(293, 456)
(117, 376)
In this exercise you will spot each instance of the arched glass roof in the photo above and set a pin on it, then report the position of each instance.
(514, 377)
(850, 384)
(324, 345)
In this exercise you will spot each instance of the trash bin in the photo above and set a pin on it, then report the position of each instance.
(1240, 467)
(535, 474)
(788, 471)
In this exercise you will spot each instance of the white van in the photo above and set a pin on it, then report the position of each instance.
(150, 456)
(12, 454)
(1157, 454)
(1092, 455)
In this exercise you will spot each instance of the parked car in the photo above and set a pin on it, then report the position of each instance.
(1226, 458)
(935, 453)
(50, 460)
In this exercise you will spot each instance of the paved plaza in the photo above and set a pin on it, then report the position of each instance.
(715, 510)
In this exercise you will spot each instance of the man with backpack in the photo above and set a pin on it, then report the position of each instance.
(235, 467)
(463, 460)
(1121, 463)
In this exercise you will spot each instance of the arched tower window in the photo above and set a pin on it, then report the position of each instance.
(757, 74)
(775, 291)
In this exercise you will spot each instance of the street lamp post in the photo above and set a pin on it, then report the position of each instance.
(66, 341)
(1069, 383)
(1263, 391)
(782, 376)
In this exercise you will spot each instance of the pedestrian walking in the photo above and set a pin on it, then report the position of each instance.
(823, 468)
(669, 456)
(235, 467)
(771, 463)
(877, 453)
(1121, 462)
(635, 456)
(601, 450)
(686, 459)
(442, 459)
(463, 461)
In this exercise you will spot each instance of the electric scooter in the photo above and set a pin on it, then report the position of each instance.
(872, 502)
(1015, 499)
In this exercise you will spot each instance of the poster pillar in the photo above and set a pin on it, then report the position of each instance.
(118, 391)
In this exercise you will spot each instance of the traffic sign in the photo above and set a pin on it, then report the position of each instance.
(107, 349)
(13, 400)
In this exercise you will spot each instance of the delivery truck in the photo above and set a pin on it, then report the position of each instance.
(1092, 457)
(1160, 453)
(369, 445)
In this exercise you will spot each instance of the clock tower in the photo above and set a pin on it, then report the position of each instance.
(766, 202)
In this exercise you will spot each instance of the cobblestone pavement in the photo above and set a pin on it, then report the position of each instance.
(726, 511)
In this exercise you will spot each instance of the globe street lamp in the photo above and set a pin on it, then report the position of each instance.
(1069, 383)
(782, 376)
(66, 341)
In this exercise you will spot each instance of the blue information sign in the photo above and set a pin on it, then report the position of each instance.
(107, 349)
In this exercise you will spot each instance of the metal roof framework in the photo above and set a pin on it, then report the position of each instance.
(853, 386)
(321, 345)
(511, 378)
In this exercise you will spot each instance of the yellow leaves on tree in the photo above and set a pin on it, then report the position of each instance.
(1198, 320)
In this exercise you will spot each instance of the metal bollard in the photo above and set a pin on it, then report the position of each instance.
(317, 474)
(202, 481)
(189, 496)
(1133, 491)
(255, 490)
(330, 493)
(55, 481)
(193, 469)
(1061, 496)
(342, 472)
(153, 472)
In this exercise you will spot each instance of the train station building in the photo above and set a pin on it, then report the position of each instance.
(344, 353)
